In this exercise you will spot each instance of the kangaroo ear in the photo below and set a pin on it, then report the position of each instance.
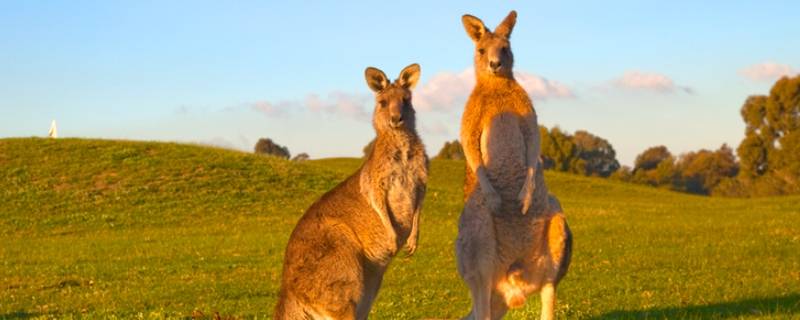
(474, 27)
(376, 79)
(409, 76)
(505, 27)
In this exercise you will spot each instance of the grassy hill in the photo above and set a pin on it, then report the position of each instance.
(150, 230)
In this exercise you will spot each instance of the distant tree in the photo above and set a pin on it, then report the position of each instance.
(770, 150)
(547, 149)
(624, 173)
(582, 153)
(754, 147)
(665, 174)
(558, 149)
(656, 167)
(301, 157)
(732, 187)
(268, 147)
(769, 154)
(368, 148)
(703, 170)
(599, 157)
(650, 158)
(698, 172)
(451, 150)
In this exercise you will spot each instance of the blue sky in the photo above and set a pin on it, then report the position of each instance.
(637, 73)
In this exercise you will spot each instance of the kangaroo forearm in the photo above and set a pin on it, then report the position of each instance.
(420, 197)
(414, 234)
(533, 142)
(378, 203)
(483, 179)
(377, 199)
(532, 151)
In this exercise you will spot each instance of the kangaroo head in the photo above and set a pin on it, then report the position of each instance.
(393, 109)
(493, 55)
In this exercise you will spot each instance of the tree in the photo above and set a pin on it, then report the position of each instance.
(558, 150)
(702, 171)
(268, 147)
(697, 172)
(546, 148)
(665, 174)
(753, 149)
(368, 148)
(783, 119)
(582, 153)
(301, 157)
(451, 150)
(622, 174)
(770, 150)
(650, 158)
(656, 167)
(599, 157)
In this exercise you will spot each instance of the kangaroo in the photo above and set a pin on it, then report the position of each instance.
(513, 239)
(341, 247)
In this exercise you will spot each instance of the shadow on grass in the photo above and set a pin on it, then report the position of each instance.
(772, 306)
(20, 315)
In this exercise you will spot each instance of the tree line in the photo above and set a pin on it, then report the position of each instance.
(766, 162)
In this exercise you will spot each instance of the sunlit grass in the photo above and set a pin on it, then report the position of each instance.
(148, 230)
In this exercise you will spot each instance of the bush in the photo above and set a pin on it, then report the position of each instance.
(582, 153)
(368, 148)
(622, 174)
(268, 147)
(301, 157)
(451, 150)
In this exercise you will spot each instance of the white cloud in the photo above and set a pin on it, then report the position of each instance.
(767, 71)
(637, 80)
(444, 92)
(271, 110)
(447, 91)
(340, 103)
(436, 128)
(542, 88)
(335, 103)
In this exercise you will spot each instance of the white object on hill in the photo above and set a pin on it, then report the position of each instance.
(53, 131)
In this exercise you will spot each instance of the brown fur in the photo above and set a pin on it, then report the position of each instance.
(513, 238)
(341, 247)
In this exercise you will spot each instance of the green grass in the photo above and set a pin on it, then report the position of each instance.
(104, 229)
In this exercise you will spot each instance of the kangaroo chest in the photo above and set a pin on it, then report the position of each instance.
(502, 149)
(407, 175)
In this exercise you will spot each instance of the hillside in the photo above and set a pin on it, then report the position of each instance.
(141, 229)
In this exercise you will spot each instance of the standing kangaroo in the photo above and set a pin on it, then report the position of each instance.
(513, 239)
(341, 247)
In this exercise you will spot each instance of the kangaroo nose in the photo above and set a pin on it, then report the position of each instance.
(495, 64)
(397, 119)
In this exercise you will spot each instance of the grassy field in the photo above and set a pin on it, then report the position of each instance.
(106, 229)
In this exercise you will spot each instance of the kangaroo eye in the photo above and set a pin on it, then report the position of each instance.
(481, 51)
(505, 49)
(382, 103)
